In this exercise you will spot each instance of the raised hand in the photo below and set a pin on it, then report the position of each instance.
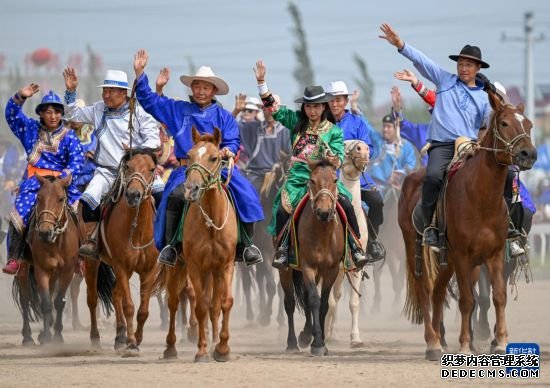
(396, 99)
(29, 90)
(162, 79)
(406, 75)
(354, 102)
(71, 80)
(391, 36)
(140, 61)
(240, 102)
(259, 71)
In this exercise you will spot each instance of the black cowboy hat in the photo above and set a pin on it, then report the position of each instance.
(470, 52)
(388, 119)
(315, 95)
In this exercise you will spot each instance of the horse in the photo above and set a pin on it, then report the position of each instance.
(208, 247)
(321, 248)
(477, 227)
(355, 162)
(53, 239)
(125, 243)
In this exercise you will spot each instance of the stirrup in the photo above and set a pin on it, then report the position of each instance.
(516, 249)
(88, 249)
(168, 256)
(432, 243)
(257, 257)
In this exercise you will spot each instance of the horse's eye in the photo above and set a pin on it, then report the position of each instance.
(213, 159)
(503, 124)
(61, 199)
(153, 169)
(335, 180)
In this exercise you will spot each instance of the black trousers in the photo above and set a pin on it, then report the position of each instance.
(440, 156)
(373, 198)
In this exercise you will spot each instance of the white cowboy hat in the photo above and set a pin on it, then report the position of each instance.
(252, 103)
(115, 79)
(338, 88)
(205, 73)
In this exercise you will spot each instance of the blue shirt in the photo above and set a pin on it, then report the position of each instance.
(417, 134)
(459, 110)
(356, 127)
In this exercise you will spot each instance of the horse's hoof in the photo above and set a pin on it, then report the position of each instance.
(131, 350)
(497, 349)
(304, 339)
(292, 349)
(357, 344)
(120, 346)
(96, 343)
(58, 339)
(28, 342)
(319, 351)
(43, 339)
(434, 354)
(220, 357)
(202, 358)
(170, 354)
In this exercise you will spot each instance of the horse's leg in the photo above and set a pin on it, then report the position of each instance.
(482, 329)
(354, 304)
(90, 276)
(118, 295)
(393, 266)
(465, 303)
(163, 308)
(281, 310)
(172, 301)
(438, 298)
(318, 347)
(64, 283)
(145, 289)
(193, 330)
(377, 300)
(217, 285)
(328, 282)
(334, 298)
(25, 300)
(270, 289)
(306, 335)
(247, 289)
(129, 310)
(199, 279)
(43, 286)
(495, 269)
(222, 349)
(75, 292)
(290, 305)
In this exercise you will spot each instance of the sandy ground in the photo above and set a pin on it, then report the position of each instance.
(393, 354)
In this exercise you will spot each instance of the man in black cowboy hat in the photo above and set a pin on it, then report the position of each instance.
(461, 109)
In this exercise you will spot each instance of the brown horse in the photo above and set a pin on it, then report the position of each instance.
(477, 220)
(126, 244)
(320, 248)
(209, 245)
(53, 239)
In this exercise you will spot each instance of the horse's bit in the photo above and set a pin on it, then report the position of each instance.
(58, 227)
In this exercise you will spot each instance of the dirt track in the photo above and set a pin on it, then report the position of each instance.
(393, 354)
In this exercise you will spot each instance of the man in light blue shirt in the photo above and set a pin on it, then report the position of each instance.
(461, 109)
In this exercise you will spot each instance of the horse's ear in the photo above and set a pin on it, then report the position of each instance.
(196, 136)
(40, 178)
(494, 100)
(521, 107)
(312, 164)
(67, 180)
(217, 136)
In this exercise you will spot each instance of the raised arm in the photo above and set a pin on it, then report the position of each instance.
(18, 122)
(426, 94)
(74, 113)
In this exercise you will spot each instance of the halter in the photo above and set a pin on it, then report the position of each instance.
(212, 179)
(58, 227)
(348, 153)
(333, 197)
(508, 145)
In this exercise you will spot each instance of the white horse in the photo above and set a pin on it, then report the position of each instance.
(355, 162)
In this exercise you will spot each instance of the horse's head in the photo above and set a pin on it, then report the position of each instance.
(203, 164)
(138, 175)
(274, 178)
(51, 206)
(323, 191)
(511, 134)
(356, 158)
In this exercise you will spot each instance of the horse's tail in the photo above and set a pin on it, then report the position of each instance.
(430, 269)
(159, 284)
(35, 311)
(105, 283)
(299, 290)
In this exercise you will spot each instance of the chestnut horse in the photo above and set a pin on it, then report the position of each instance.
(321, 248)
(53, 239)
(355, 163)
(126, 244)
(209, 247)
(477, 224)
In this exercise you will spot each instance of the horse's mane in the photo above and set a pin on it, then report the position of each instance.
(51, 178)
(138, 151)
(208, 137)
(323, 162)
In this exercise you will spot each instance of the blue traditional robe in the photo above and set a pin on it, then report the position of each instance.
(179, 118)
(59, 150)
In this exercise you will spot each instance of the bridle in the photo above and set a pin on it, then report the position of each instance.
(348, 154)
(333, 198)
(58, 226)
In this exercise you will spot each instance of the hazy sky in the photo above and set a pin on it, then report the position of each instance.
(231, 35)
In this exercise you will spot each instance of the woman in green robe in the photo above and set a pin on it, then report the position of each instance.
(313, 136)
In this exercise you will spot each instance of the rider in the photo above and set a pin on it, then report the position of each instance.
(357, 127)
(462, 107)
(312, 135)
(205, 115)
(52, 149)
(110, 119)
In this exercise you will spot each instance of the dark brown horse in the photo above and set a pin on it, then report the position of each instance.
(477, 224)
(321, 240)
(209, 245)
(53, 239)
(126, 244)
